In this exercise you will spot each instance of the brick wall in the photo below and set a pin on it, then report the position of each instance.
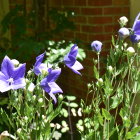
(95, 20)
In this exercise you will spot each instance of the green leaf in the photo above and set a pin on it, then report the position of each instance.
(124, 115)
(132, 133)
(137, 137)
(71, 98)
(106, 114)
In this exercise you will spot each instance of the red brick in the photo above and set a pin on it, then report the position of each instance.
(79, 2)
(67, 2)
(81, 36)
(69, 34)
(80, 19)
(121, 2)
(99, 2)
(91, 11)
(101, 37)
(76, 10)
(92, 29)
(99, 20)
(111, 28)
(112, 11)
(126, 10)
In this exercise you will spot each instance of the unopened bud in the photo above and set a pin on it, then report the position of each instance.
(110, 69)
(15, 62)
(123, 33)
(19, 130)
(130, 51)
(123, 20)
(31, 87)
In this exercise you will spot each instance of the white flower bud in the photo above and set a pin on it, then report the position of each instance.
(117, 46)
(130, 51)
(58, 126)
(80, 112)
(31, 87)
(34, 97)
(40, 100)
(123, 32)
(19, 130)
(73, 112)
(52, 125)
(100, 80)
(110, 69)
(26, 80)
(123, 20)
(15, 62)
(26, 118)
(60, 97)
(29, 72)
(43, 117)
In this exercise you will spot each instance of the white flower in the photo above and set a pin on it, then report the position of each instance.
(123, 20)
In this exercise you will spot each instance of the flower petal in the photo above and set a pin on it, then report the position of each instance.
(3, 77)
(137, 28)
(7, 67)
(53, 74)
(39, 59)
(53, 97)
(77, 66)
(4, 86)
(19, 72)
(135, 22)
(69, 60)
(55, 88)
(19, 83)
(45, 86)
(135, 38)
(74, 50)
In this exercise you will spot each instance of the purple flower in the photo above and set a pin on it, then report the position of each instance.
(71, 62)
(49, 85)
(96, 46)
(39, 66)
(135, 37)
(11, 77)
(123, 33)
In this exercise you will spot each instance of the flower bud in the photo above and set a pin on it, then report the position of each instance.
(31, 87)
(110, 69)
(40, 101)
(26, 118)
(123, 20)
(138, 44)
(123, 33)
(100, 80)
(60, 97)
(96, 46)
(34, 97)
(19, 130)
(130, 51)
(15, 62)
